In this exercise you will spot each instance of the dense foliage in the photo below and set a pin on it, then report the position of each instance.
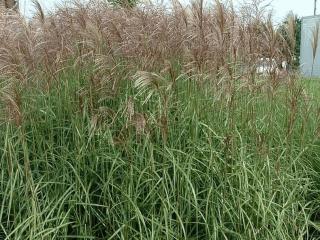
(145, 123)
(295, 22)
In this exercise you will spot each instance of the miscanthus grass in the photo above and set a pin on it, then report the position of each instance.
(144, 123)
(223, 172)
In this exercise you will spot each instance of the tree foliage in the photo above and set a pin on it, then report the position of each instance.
(290, 29)
(124, 3)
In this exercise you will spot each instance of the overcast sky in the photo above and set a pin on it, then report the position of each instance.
(301, 7)
(281, 7)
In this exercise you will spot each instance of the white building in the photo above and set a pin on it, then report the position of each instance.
(310, 63)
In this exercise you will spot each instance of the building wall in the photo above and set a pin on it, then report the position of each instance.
(306, 58)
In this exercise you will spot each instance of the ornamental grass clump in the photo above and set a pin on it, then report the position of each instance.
(151, 122)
